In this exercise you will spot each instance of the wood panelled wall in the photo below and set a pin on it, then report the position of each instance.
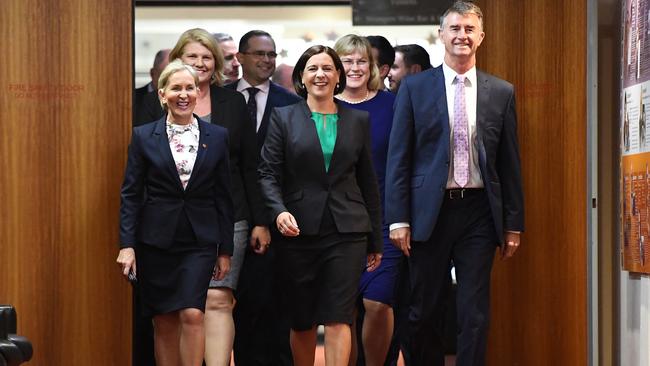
(65, 114)
(539, 298)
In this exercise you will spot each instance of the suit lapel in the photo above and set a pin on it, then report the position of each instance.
(217, 107)
(160, 133)
(271, 101)
(204, 136)
(440, 97)
(482, 100)
(309, 135)
(342, 134)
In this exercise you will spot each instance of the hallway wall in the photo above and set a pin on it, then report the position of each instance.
(65, 110)
(539, 298)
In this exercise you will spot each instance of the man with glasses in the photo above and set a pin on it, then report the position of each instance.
(262, 332)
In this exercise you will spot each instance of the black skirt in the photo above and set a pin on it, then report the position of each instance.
(174, 279)
(322, 274)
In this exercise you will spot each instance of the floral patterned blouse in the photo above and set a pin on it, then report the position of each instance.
(184, 143)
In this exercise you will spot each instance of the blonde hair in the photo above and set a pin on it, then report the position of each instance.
(206, 40)
(172, 68)
(352, 43)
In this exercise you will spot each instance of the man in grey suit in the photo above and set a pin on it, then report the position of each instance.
(453, 187)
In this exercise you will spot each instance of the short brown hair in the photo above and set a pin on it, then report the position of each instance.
(296, 76)
(463, 8)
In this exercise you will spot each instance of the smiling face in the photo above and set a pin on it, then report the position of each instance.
(179, 96)
(320, 77)
(257, 64)
(201, 59)
(357, 70)
(461, 35)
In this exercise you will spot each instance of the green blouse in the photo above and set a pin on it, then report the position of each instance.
(326, 129)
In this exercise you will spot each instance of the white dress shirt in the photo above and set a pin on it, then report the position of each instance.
(260, 98)
(475, 180)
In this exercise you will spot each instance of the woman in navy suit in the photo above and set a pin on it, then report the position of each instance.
(176, 217)
(318, 180)
(226, 108)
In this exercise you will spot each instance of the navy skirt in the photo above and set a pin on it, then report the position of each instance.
(174, 279)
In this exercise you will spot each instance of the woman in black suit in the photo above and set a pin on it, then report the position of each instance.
(318, 180)
(227, 108)
(176, 217)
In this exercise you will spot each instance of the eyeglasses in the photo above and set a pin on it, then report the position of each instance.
(261, 54)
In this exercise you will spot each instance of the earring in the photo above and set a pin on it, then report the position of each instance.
(302, 86)
(337, 86)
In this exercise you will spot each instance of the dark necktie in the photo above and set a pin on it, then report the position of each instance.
(252, 105)
(461, 143)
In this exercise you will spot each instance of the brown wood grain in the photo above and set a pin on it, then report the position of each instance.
(65, 112)
(539, 298)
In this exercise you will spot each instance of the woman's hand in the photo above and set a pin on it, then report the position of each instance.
(287, 224)
(374, 260)
(126, 260)
(222, 268)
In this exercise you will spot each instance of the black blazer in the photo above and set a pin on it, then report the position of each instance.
(418, 153)
(138, 96)
(278, 97)
(293, 176)
(228, 109)
(152, 197)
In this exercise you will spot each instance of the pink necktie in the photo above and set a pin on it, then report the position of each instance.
(461, 144)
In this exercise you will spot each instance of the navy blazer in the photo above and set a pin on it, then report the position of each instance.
(278, 97)
(228, 109)
(153, 198)
(418, 153)
(293, 177)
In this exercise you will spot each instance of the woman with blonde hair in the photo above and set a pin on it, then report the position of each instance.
(176, 217)
(227, 108)
(363, 91)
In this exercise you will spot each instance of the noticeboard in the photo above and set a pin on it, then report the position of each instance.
(398, 12)
(635, 142)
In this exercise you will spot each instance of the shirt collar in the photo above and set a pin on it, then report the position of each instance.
(193, 126)
(243, 85)
(450, 75)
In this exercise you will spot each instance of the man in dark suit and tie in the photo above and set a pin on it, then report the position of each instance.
(257, 57)
(453, 187)
(262, 332)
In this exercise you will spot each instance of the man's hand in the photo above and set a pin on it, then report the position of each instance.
(260, 239)
(401, 238)
(511, 244)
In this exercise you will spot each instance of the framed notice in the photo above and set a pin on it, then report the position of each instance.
(398, 12)
(635, 142)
